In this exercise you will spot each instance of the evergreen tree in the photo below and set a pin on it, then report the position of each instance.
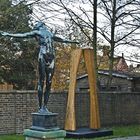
(17, 56)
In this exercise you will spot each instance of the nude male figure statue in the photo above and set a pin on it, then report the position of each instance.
(46, 58)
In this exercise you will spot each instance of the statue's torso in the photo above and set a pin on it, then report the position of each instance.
(46, 49)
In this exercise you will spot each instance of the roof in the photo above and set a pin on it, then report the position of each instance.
(125, 75)
(121, 65)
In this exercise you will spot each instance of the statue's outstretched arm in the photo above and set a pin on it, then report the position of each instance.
(58, 39)
(19, 35)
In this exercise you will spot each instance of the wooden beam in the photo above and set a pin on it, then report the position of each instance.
(94, 108)
(70, 121)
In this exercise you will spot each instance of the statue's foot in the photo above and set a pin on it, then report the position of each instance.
(44, 110)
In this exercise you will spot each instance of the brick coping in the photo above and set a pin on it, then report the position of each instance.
(61, 92)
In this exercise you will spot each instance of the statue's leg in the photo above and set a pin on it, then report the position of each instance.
(49, 76)
(41, 81)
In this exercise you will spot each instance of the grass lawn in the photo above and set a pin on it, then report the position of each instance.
(119, 131)
(11, 137)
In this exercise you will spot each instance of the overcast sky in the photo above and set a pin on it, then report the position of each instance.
(55, 18)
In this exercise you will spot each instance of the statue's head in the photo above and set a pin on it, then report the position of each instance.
(38, 25)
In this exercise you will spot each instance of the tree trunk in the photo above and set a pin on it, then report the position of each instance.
(112, 43)
(94, 43)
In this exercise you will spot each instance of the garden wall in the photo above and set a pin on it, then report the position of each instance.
(115, 108)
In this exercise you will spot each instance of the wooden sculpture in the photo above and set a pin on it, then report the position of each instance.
(70, 122)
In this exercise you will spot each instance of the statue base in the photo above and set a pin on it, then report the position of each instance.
(44, 127)
(88, 133)
(41, 135)
(44, 121)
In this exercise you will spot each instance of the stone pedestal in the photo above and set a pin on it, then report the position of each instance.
(44, 121)
(44, 127)
(42, 135)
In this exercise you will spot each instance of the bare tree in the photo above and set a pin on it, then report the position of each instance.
(80, 14)
(118, 21)
(120, 25)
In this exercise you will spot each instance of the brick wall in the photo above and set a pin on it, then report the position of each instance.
(119, 108)
(115, 108)
(15, 111)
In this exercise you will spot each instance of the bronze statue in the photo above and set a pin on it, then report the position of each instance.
(46, 58)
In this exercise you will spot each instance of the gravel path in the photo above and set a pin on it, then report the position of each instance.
(128, 138)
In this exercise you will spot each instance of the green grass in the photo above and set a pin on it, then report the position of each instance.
(122, 131)
(11, 137)
(119, 131)
(133, 130)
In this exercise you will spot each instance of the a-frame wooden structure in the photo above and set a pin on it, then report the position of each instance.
(70, 122)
